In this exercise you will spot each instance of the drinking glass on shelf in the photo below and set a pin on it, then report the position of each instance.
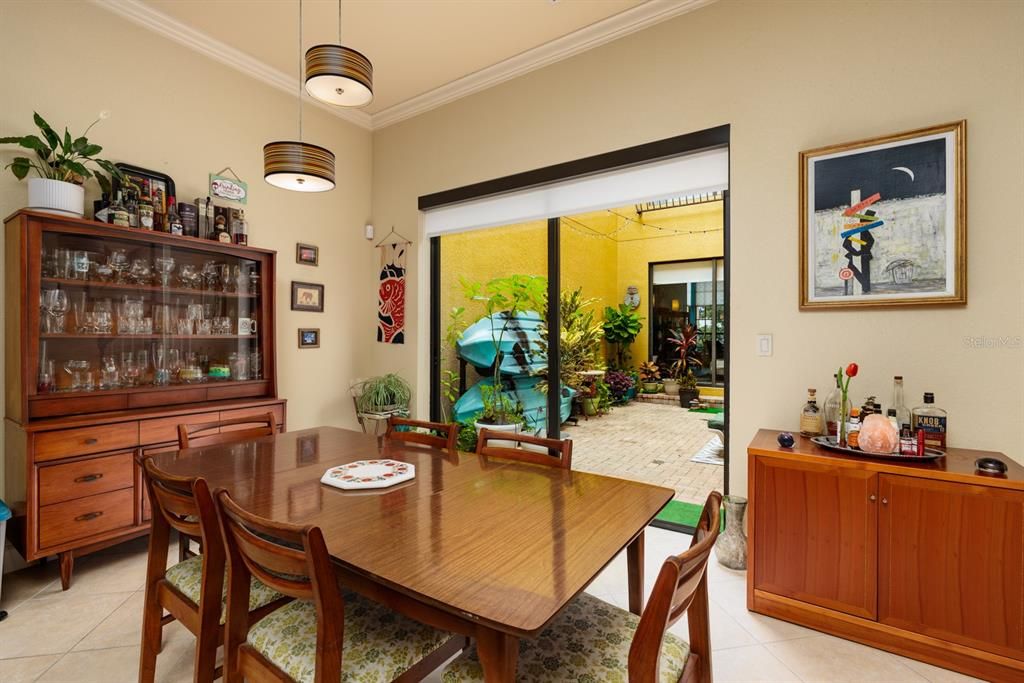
(80, 265)
(254, 282)
(162, 319)
(81, 375)
(104, 321)
(173, 364)
(78, 303)
(55, 304)
(204, 327)
(49, 263)
(129, 369)
(194, 311)
(141, 273)
(142, 361)
(210, 275)
(145, 326)
(161, 372)
(45, 381)
(188, 276)
(65, 266)
(104, 272)
(118, 261)
(164, 266)
(222, 325)
(185, 326)
(110, 376)
(239, 366)
(255, 365)
(224, 276)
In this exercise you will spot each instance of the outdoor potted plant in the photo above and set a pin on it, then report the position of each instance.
(60, 162)
(621, 326)
(619, 385)
(504, 300)
(649, 376)
(685, 342)
(386, 394)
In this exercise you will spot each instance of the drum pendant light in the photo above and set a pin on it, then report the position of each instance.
(297, 165)
(339, 75)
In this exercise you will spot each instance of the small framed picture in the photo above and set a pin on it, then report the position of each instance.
(309, 338)
(307, 254)
(307, 296)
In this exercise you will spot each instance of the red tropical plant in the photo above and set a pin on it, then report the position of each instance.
(685, 342)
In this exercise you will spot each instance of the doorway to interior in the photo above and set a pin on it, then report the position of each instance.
(599, 259)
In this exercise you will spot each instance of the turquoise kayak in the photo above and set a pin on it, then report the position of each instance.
(521, 389)
(522, 351)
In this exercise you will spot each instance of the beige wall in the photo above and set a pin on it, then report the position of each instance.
(787, 76)
(175, 111)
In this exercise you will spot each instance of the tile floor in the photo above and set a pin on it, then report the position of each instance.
(91, 632)
(648, 442)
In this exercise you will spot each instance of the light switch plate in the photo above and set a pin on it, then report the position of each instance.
(764, 344)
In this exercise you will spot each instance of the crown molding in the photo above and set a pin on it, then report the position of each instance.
(622, 24)
(605, 31)
(169, 27)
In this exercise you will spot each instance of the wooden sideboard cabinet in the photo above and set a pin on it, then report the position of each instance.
(925, 560)
(106, 354)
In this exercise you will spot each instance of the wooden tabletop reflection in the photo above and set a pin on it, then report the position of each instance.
(503, 543)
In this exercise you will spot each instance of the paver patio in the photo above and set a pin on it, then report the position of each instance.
(648, 442)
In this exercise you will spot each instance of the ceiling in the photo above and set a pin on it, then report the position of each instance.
(424, 52)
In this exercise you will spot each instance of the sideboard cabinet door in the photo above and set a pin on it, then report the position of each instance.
(815, 530)
(951, 562)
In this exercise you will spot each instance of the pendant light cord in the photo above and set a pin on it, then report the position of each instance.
(300, 71)
(339, 22)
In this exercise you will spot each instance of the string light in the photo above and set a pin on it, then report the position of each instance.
(595, 234)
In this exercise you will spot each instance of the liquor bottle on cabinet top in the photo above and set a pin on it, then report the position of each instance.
(810, 416)
(853, 430)
(899, 404)
(173, 222)
(833, 404)
(117, 213)
(239, 228)
(932, 420)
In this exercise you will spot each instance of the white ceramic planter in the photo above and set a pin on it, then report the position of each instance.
(514, 429)
(56, 196)
(672, 387)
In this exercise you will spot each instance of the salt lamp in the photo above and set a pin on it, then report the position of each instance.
(877, 435)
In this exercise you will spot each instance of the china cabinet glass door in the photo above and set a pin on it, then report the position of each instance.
(127, 315)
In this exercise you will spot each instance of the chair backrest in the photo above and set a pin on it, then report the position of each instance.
(209, 434)
(559, 451)
(682, 583)
(293, 560)
(441, 435)
(186, 505)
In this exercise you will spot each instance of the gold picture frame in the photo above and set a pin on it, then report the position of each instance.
(906, 195)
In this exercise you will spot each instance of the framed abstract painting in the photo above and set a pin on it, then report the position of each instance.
(883, 222)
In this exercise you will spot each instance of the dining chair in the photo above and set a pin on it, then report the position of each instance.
(326, 633)
(191, 591)
(591, 640)
(210, 434)
(438, 435)
(558, 451)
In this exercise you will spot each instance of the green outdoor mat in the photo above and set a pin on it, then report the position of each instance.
(714, 411)
(686, 514)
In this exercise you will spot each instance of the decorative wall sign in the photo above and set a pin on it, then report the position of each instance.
(307, 296)
(309, 338)
(232, 188)
(307, 254)
(391, 292)
(883, 222)
(632, 296)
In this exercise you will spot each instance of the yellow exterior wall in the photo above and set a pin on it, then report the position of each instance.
(603, 252)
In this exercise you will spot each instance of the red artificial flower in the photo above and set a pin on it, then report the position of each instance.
(851, 370)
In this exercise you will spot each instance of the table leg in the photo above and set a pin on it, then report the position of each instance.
(498, 654)
(635, 573)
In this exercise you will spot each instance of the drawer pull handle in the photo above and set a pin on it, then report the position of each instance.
(88, 477)
(89, 516)
(91, 441)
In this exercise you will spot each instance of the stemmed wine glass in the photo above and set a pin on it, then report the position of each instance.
(164, 268)
(55, 304)
(118, 260)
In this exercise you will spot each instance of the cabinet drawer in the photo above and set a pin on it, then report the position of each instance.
(252, 412)
(84, 517)
(58, 483)
(65, 443)
(165, 429)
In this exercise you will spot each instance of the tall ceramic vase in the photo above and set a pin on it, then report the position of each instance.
(731, 547)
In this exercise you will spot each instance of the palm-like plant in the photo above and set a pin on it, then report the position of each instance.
(685, 342)
(61, 158)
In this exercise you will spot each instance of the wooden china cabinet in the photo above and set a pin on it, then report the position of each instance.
(923, 559)
(114, 336)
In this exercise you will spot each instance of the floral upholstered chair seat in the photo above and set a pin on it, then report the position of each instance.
(587, 643)
(187, 577)
(378, 644)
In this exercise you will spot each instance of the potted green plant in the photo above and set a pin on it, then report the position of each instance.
(650, 373)
(504, 300)
(685, 342)
(388, 393)
(621, 326)
(60, 162)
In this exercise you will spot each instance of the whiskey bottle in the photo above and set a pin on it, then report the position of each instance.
(173, 222)
(117, 213)
(239, 228)
(930, 419)
(810, 416)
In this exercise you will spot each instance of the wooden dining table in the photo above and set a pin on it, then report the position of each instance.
(485, 547)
